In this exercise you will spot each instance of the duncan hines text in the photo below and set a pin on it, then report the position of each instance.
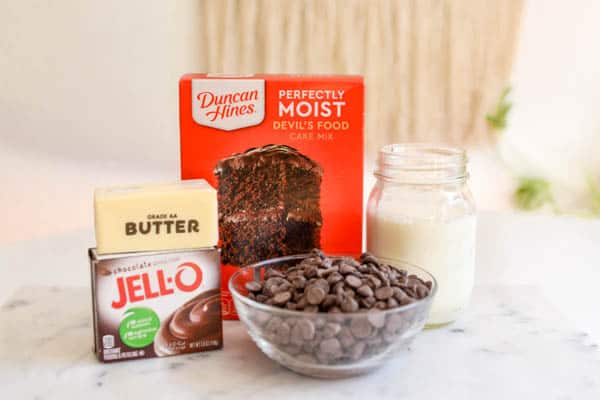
(228, 104)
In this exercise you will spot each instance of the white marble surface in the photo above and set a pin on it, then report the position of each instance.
(510, 344)
(531, 332)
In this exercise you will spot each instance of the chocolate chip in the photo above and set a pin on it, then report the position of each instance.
(368, 302)
(327, 271)
(299, 282)
(334, 278)
(365, 291)
(331, 347)
(253, 286)
(315, 295)
(353, 281)
(389, 337)
(283, 287)
(374, 341)
(273, 273)
(393, 323)
(331, 329)
(261, 298)
(306, 329)
(317, 253)
(301, 302)
(329, 301)
(322, 283)
(373, 282)
(282, 333)
(310, 271)
(384, 293)
(282, 298)
(407, 300)
(381, 305)
(272, 324)
(348, 304)
(345, 337)
(422, 291)
(338, 288)
(360, 327)
(296, 336)
(347, 269)
(376, 318)
(367, 257)
(309, 346)
(357, 350)
(399, 294)
(273, 281)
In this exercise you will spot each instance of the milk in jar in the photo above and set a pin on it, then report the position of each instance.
(421, 211)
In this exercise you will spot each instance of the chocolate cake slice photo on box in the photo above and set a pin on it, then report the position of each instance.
(269, 204)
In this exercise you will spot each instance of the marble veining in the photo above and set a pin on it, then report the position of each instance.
(511, 344)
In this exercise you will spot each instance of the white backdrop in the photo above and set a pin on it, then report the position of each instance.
(88, 97)
(555, 127)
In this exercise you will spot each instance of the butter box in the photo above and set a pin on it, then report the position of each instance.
(285, 153)
(155, 304)
(156, 216)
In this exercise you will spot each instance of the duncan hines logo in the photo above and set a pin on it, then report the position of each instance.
(152, 284)
(228, 104)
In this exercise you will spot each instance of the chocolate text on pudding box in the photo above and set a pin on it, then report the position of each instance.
(286, 155)
(156, 304)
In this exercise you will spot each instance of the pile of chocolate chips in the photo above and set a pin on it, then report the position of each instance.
(324, 284)
(332, 292)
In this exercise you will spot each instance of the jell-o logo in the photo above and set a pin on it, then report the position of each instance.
(139, 287)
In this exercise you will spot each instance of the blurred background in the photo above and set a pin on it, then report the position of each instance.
(88, 91)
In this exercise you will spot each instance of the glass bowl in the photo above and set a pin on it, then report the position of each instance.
(328, 345)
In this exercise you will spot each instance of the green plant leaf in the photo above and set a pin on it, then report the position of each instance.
(594, 191)
(498, 120)
(533, 193)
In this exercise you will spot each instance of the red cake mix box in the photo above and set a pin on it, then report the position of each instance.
(286, 154)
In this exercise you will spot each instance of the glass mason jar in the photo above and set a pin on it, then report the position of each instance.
(421, 211)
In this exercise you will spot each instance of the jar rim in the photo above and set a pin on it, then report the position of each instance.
(425, 151)
(422, 163)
